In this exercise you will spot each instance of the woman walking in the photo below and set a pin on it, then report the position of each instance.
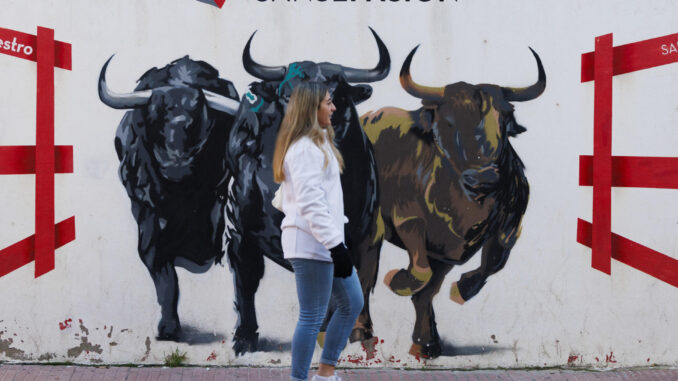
(308, 165)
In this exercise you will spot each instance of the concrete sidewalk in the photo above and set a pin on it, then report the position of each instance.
(83, 373)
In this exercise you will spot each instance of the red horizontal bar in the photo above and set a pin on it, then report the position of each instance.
(23, 252)
(20, 160)
(62, 50)
(635, 56)
(635, 171)
(635, 255)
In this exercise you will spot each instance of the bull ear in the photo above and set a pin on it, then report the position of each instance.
(513, 128)
(428, 113)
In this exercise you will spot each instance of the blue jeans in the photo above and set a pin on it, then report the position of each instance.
(315, 284)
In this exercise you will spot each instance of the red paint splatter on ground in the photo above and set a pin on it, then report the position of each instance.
(65, 324)
(610, 358)
(572, 359)
(370, 347)
(212, 357)
(597, 360)
(355, 359)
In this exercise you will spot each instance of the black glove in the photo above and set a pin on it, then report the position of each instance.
(342, 261)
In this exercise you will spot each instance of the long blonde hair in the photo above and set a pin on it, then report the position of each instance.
(301, 119)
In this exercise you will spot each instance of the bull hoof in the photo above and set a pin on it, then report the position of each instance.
(455, 295)
(406, 283)
(169, 330)
(243, 343)
(426, 351)
(359, 334)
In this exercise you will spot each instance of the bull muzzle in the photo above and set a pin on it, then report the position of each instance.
(476, 183)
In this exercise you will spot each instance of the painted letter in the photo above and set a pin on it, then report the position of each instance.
(13, 44)
(665, 50)
(6, 45)
(673, 49)
(28, 50)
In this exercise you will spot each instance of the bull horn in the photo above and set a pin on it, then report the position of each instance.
(531, 92)
(378, 73)
(414, 89)
(120, 101)
(221, 103)
(267, 73)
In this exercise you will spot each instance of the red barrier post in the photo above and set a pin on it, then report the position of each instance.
(602, 155)
(44, 154)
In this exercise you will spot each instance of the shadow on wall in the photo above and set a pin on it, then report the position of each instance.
(450, 350)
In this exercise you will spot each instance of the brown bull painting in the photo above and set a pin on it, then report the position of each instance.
(450, 185)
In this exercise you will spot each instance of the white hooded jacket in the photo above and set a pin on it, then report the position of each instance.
(312, 201)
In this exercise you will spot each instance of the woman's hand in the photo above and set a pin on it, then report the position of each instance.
(343, 267)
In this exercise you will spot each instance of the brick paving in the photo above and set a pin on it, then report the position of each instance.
(10, 372)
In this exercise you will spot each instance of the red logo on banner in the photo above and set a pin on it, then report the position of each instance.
(604, 171)
(44, 159)
(218, 3)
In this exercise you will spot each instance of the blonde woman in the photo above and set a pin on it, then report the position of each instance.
(308, 165)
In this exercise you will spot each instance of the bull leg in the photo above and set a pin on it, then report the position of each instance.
(167, 291)
(425, 338)
(161, 270)
(247, 266)
(367, 267)
(494, 257)
(406, 282)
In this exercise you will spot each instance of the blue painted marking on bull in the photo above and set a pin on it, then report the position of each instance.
(250, 97)
(295, 71)
(257, 107)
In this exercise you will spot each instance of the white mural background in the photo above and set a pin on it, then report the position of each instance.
(546, 306)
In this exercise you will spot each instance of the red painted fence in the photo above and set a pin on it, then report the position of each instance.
(44, 159)
(604, 171)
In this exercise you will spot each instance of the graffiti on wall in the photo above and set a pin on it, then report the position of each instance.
(172, 164)
(441, 182)
(451, 184)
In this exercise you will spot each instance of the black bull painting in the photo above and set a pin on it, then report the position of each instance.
(441, 182)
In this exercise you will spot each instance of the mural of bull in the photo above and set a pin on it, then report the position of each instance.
(451, 184)
(254, 225)
(172, 164)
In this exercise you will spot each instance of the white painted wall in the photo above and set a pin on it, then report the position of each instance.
(546, 305)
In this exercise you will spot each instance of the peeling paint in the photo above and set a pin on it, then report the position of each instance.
(110, 332)
(85, 346)
(65, 324)
(494, 339)
(83, 328)
(272, 361)
(46, 356)
(370, 347)
(610, 358)
(212, 356)
(148, 349)
(571, 359)
(13, 353)
(112, 343)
